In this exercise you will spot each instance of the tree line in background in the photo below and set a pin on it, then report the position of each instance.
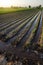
(25, 7)
(36, 7)
(29, 7)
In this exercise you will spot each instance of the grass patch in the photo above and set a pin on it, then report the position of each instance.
(11, 10)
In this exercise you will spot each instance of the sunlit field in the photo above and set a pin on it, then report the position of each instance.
(11, 10)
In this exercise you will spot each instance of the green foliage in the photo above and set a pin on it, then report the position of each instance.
(11, 10)
(29, 6)
(39, 7)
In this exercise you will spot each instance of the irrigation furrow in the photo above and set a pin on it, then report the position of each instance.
(37, 33)
(28, 41)
(12, 30)
(24, 31)
(11, 18)
(17, 29)
(8, 22)
(14, 22)
(25, 37)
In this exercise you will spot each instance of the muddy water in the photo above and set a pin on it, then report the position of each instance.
(38, 32)
(20, 44)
